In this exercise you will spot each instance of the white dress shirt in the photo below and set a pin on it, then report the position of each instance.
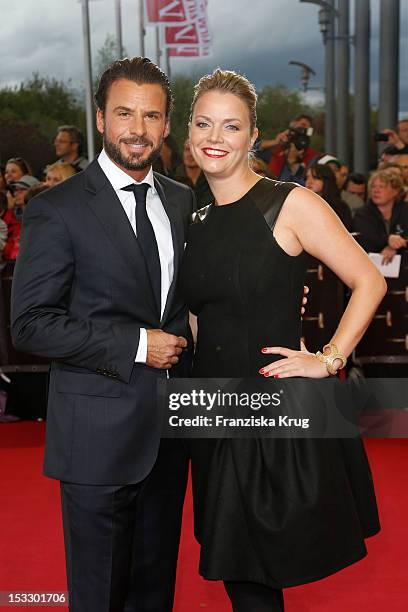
(161, 227)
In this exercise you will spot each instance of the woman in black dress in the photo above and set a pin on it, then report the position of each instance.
(269, 513)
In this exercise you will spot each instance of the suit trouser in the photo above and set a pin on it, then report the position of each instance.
(121, 542)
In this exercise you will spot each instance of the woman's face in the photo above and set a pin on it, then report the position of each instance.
(220, 137)
(19, 194)
(52, 178)
(383, 193)
(313, 183)
(13, 173)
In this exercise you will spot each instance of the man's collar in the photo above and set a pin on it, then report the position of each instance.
(117, 177)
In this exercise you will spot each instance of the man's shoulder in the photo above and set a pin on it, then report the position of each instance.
(65, 196)
(65, 190)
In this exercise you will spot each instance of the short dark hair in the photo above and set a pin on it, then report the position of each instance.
(75, 134)
(303, 116)
(357, 178)
(140, 70)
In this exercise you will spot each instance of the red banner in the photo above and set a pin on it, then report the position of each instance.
(169, 11)
(186, 51)
(191, 34)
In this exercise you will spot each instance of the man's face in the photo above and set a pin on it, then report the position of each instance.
(134, 125)
(402, 161)
(188, 159)
(357, 189)
(63, 144)
(301, 123)
(403, 131)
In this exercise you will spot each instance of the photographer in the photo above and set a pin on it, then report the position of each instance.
(283, 159)
(398, 139)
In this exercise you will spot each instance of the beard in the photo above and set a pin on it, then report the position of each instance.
(132, 161)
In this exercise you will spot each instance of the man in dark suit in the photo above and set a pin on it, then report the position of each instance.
(95, 290)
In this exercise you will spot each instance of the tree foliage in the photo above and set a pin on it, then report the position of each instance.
(42, 104)
(278, 105)
(30, 115)
(182, 87)
(106, 55)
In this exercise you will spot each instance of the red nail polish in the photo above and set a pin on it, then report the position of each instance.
(276, 375)
(261, 371)
(264, 350)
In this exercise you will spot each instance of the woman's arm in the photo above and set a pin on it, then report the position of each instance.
(307, 222)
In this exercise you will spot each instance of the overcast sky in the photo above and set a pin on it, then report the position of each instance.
(257, 37)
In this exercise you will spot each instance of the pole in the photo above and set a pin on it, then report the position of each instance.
(343, 80)
(330, 96)
(362, 87)
(141, 29)
(389, 63)
(158, 50)
(167, 58)
(88, 81)
(118, 21)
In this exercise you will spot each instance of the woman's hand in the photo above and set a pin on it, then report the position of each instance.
(297, 363)
(304, 299)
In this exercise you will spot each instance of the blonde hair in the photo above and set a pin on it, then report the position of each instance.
(389, 178)
(228, 81)
(65, 170)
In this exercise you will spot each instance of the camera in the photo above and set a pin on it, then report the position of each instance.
(299, 137)
(381, 137)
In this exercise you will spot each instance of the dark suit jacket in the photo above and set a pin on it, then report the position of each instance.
(369, 222)
(81, 293)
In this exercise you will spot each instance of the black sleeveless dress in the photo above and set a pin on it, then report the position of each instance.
(281, 512)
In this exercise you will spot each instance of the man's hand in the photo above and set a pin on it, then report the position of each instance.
(388, 255)
(294, 156)
(394, 139)
(280, 139)
(396, 242)
(163, 349)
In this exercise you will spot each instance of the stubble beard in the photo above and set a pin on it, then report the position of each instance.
(132, 161)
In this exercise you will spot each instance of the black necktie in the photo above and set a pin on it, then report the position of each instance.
(147, 239)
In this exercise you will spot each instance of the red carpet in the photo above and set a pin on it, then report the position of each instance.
(31, 546)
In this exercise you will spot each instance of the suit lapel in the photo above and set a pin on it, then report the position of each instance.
(176, 224)
(107, 207)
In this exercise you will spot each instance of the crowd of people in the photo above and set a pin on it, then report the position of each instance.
(18, 185)
(372, 207)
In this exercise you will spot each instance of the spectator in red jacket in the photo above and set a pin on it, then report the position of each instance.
(13, 216)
